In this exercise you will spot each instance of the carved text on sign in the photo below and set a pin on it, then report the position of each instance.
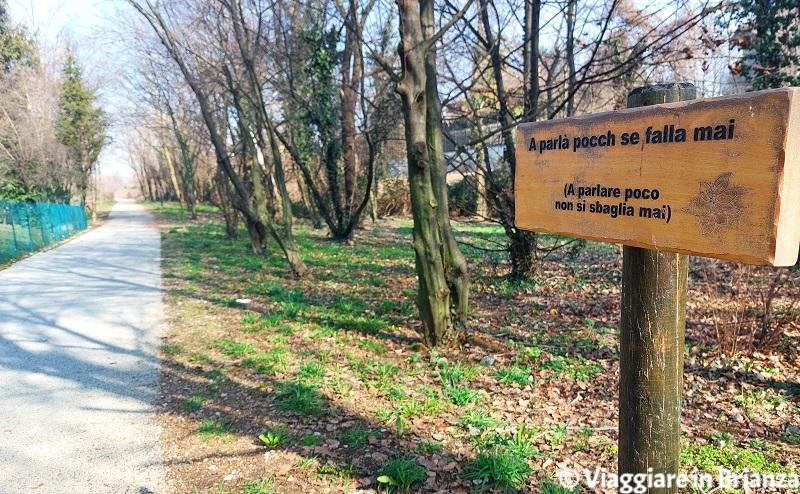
(718, 177)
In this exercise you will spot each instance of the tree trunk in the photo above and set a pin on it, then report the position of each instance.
(173, 177)
(256, 240)
(481, 208)
(189, 186)
(280, 182)
(433, 297)
(455, 263)
(571, 57)
(522, 253)
(189, 194)
(351, 81)
(521, 244)
(228, 212)
(506, 119)
(265, 224)
(531, 60)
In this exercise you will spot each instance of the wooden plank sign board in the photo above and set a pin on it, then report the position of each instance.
(717, 177)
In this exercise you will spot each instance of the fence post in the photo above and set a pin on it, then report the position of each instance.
(28, 215)
(652, 325)
(43, 216)
(13, 229)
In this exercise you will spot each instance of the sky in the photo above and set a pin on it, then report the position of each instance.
(79, 23)
(52, 18)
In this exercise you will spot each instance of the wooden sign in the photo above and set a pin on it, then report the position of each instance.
(717, 177)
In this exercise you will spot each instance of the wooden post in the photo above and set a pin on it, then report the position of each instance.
(652, 325)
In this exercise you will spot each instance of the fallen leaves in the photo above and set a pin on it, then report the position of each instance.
(567, 318)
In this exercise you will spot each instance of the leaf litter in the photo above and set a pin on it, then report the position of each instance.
(380, 393)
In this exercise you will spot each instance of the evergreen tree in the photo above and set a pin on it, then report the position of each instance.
(81, 125)
(16, 47)
(769, 36)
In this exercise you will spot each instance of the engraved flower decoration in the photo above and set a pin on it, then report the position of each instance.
(718, 204)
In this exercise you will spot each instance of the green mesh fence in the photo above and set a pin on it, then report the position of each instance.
(25, 227)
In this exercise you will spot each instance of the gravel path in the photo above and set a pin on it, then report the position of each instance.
(79, 327)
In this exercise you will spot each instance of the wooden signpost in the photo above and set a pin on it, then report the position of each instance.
(718, 177)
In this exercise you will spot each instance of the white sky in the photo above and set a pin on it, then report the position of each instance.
(79, 23)
(52, 17)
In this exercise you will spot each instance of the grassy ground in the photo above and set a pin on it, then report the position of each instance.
(272, 384)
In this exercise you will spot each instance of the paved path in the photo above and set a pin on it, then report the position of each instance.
(78, 330)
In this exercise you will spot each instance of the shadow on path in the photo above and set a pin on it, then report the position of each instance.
(78, 331)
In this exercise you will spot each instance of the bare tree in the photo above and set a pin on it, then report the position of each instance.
(33, 163)
(441, 268)
(321, 110)
(608, 46)
(198, 62)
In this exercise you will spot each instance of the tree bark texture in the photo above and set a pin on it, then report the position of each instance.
(433, 296)
(530, 55)
(652, 326)
(521, 244)
(265, 224)
(455, 265)
(351, 80)
(571, 57)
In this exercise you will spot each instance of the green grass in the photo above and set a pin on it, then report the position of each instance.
(372, 345)
(411, 408)
(270, 363)
(461, 396)
(432, 406)
(355, 436)
(210, 428)
(550, 487)
(430, 447)
(710, 457)
(250, 318)
(400, 473)
(323, 333)
(268, 321)
(453, 375)
(312, 371)
(577, 368)
(260, 365)
(343, 300)
(232, 348)
(334, 471)
(172, 349)
(214, 374)
(382, 375)
(263, 486)
(515, 374)
(194, 402)
(309, 440)
(478, 419)
(396, 394)
(201, 359)
(556, 435)
(300, 398)
(497, 469)
(522, 442)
